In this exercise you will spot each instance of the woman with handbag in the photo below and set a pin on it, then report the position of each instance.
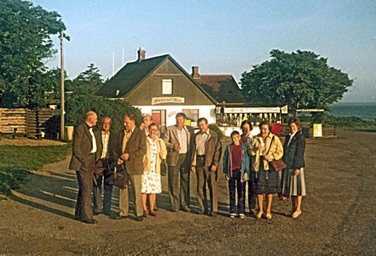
(156, 152)
(265, 147)
(293, 182)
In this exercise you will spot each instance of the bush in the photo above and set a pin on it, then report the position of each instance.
(11, 178)
(216, 129)
(78, 105)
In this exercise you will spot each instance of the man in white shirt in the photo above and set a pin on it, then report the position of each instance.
(178, 139)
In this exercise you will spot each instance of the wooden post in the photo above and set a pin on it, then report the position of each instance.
(62, 117)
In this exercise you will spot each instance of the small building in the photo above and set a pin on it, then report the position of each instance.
(161, 87)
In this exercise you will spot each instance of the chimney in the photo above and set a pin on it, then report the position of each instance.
(141, 54)
(195, 73)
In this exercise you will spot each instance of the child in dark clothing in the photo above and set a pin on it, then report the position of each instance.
(236, 169)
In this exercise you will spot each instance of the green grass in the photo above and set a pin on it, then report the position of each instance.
(18, 161)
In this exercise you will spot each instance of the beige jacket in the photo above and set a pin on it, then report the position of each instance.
(275, 152)
(161, 151)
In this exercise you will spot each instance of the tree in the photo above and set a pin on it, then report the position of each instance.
(87, 82)
(301, 80)
(25, 43)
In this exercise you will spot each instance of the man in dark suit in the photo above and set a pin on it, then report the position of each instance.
(178, 139)
(130, 151)
(103, 170)
(84, 155)
(206, 157)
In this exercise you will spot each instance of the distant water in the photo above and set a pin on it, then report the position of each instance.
(362, 110)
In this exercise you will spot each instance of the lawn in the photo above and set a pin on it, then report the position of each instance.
(18, 161)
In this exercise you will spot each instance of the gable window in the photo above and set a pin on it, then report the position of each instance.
(166, 86)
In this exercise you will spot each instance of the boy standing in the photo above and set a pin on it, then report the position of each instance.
(236, 169)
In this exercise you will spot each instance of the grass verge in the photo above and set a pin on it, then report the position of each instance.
(19, 161)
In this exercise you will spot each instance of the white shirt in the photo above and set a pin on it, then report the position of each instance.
(105, 139)
(200, 142)
(182, 138)
(94, 142)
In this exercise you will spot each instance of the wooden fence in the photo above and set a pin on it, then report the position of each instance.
(28, 122)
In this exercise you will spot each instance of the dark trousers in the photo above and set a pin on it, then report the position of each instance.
(178, 183)
(102, 174)
(235, 185)
(206, 177)
(85, 179)
(252, 196)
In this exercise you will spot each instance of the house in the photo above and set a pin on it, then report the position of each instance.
(161, 87)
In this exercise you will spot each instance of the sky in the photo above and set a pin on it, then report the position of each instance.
(221, 37)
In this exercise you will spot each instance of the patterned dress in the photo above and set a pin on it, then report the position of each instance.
(151, 181)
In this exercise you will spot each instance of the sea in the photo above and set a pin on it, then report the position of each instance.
(363, 110)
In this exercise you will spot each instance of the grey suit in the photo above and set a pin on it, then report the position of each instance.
(178, 167)
(212, 156)
(83, 162)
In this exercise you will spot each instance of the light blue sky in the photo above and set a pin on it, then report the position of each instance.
(221, 37)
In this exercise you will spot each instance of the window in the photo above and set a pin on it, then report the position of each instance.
(166, 86)
(192, 116)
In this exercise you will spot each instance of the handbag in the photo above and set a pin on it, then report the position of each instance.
(164, 167)
(277, 164)
(119, 177)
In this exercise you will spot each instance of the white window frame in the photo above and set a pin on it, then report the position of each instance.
(166, 86)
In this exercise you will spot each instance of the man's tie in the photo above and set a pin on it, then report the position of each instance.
(127, 134)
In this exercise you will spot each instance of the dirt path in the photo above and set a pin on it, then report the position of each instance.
(338, 215)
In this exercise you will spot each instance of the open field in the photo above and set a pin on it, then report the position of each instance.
(338, 214)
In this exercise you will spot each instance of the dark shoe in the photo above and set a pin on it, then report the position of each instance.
(153, 213)
(140, 218)
(97, 213)
(145, 213)
(92, 221)
(175, 210)
(213, 214)
(253, 212)
(107, 213)
(119, 217)
(186, 209)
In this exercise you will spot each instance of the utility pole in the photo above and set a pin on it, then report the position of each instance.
(62, 117)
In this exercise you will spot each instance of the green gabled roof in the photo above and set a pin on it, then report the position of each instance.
(133, 73)
(129, 76)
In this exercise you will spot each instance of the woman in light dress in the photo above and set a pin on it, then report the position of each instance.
(151, 179)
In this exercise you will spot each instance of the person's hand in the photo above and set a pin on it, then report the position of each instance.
(193, 168)
(297, 171)
(213, 168)
(125, 156)
(245, 176)
(267, 157)
(119, 161)
(177, 147)
(226, 177)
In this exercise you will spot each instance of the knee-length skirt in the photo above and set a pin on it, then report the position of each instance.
(267, 182)
(293, 185)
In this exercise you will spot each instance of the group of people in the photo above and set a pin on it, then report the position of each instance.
(139, 150)
(248, 160)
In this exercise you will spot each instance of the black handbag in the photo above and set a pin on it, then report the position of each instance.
(119, 177)
(164, 167)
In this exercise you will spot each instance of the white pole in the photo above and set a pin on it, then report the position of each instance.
(113, 63)
(62, 117)
(122, 61)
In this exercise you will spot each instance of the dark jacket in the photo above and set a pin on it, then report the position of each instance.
(81, 148)
(294, 152)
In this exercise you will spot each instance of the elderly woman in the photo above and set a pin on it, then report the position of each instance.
(293, 183)
(151, 178)
(264, 148)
